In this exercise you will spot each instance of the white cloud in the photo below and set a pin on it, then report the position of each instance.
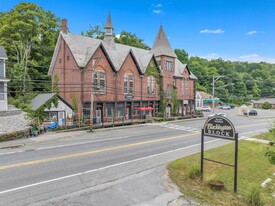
(156, 5)
(208, 31)
(211, 56)
(243, 58)
(157, 11)
(118, 36)
(156, 8)
(249, 57)
(251, 33)
(255, 58)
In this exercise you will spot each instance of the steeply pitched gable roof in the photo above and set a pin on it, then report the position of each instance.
(162, 46)
(3, 54)
(179, 68)
(41, 99)
(83, 49)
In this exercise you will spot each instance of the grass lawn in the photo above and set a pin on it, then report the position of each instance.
(253, 169)
(267, 136)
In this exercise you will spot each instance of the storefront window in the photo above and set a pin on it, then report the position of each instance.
(109, 110)
(120, 109)
(136, 106)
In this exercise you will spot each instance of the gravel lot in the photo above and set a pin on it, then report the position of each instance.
(14, 123)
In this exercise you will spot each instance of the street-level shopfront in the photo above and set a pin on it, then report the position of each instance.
(132, 110)
(120, 111)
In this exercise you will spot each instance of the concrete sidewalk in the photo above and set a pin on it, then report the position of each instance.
(45, 137)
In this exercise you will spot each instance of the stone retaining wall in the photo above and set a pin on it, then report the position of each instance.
(20, 134)
(10, 112)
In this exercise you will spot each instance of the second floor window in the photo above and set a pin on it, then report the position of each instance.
(168, 66)
(151, 85)
(99, 82)
(183, 86)
(186, 85)
(128, 84)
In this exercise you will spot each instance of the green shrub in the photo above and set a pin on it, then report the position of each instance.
(266, 105)
(271, 156)
(272, 129)
(194, 172)
(254, 196)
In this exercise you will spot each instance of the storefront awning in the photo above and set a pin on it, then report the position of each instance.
(145, 108)
(210, 100)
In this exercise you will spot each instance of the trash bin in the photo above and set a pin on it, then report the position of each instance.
(34, 130)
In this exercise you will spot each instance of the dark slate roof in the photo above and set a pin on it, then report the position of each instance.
(162, 46)
(83, 48)
(3, 54)
(41, 99)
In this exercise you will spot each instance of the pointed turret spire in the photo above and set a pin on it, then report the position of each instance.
(109, 36)
(109, 22)
(162, 46)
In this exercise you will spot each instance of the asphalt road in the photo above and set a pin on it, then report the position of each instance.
(124, 166)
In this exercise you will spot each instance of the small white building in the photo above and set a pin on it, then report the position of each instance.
(205, 99)
(3, 81)
(58, 114)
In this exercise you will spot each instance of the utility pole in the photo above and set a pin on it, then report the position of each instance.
(215, 78)
(95, 61)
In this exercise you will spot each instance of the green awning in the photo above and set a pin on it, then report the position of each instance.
(210, 100)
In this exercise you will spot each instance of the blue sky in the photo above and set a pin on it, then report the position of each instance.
(237, 30)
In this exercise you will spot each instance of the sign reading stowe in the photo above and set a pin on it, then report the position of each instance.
(219, 127)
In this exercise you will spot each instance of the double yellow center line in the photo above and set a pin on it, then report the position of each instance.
(4, 167)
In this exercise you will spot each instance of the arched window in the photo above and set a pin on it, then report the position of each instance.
(99, 81)
(128, 83)
(151, 85)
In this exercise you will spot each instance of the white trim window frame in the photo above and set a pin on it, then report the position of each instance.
(102, 82)
(183, 86)
(128, 83)
(149, 85)
(131, 83)
(99, 82)
(187, 84)
(153, 86)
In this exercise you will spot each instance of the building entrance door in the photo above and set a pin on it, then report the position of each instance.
(128, 113)
(98, 116)
(168, 110)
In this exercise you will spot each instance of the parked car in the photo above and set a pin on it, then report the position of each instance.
(253, 113)
(217, 114)
(225, 107)
(231, 106)
(204, 108)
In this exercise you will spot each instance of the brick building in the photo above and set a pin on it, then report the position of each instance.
(125, 82)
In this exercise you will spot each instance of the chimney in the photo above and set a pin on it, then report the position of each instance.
(64, 26)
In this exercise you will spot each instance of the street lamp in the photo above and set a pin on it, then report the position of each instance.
(215, 78)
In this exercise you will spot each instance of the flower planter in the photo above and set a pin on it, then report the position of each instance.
(216, 185)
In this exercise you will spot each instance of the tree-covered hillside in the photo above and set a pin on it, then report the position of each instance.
(29, 34)
(239, 81)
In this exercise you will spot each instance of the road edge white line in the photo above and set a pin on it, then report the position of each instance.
(103, 168)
